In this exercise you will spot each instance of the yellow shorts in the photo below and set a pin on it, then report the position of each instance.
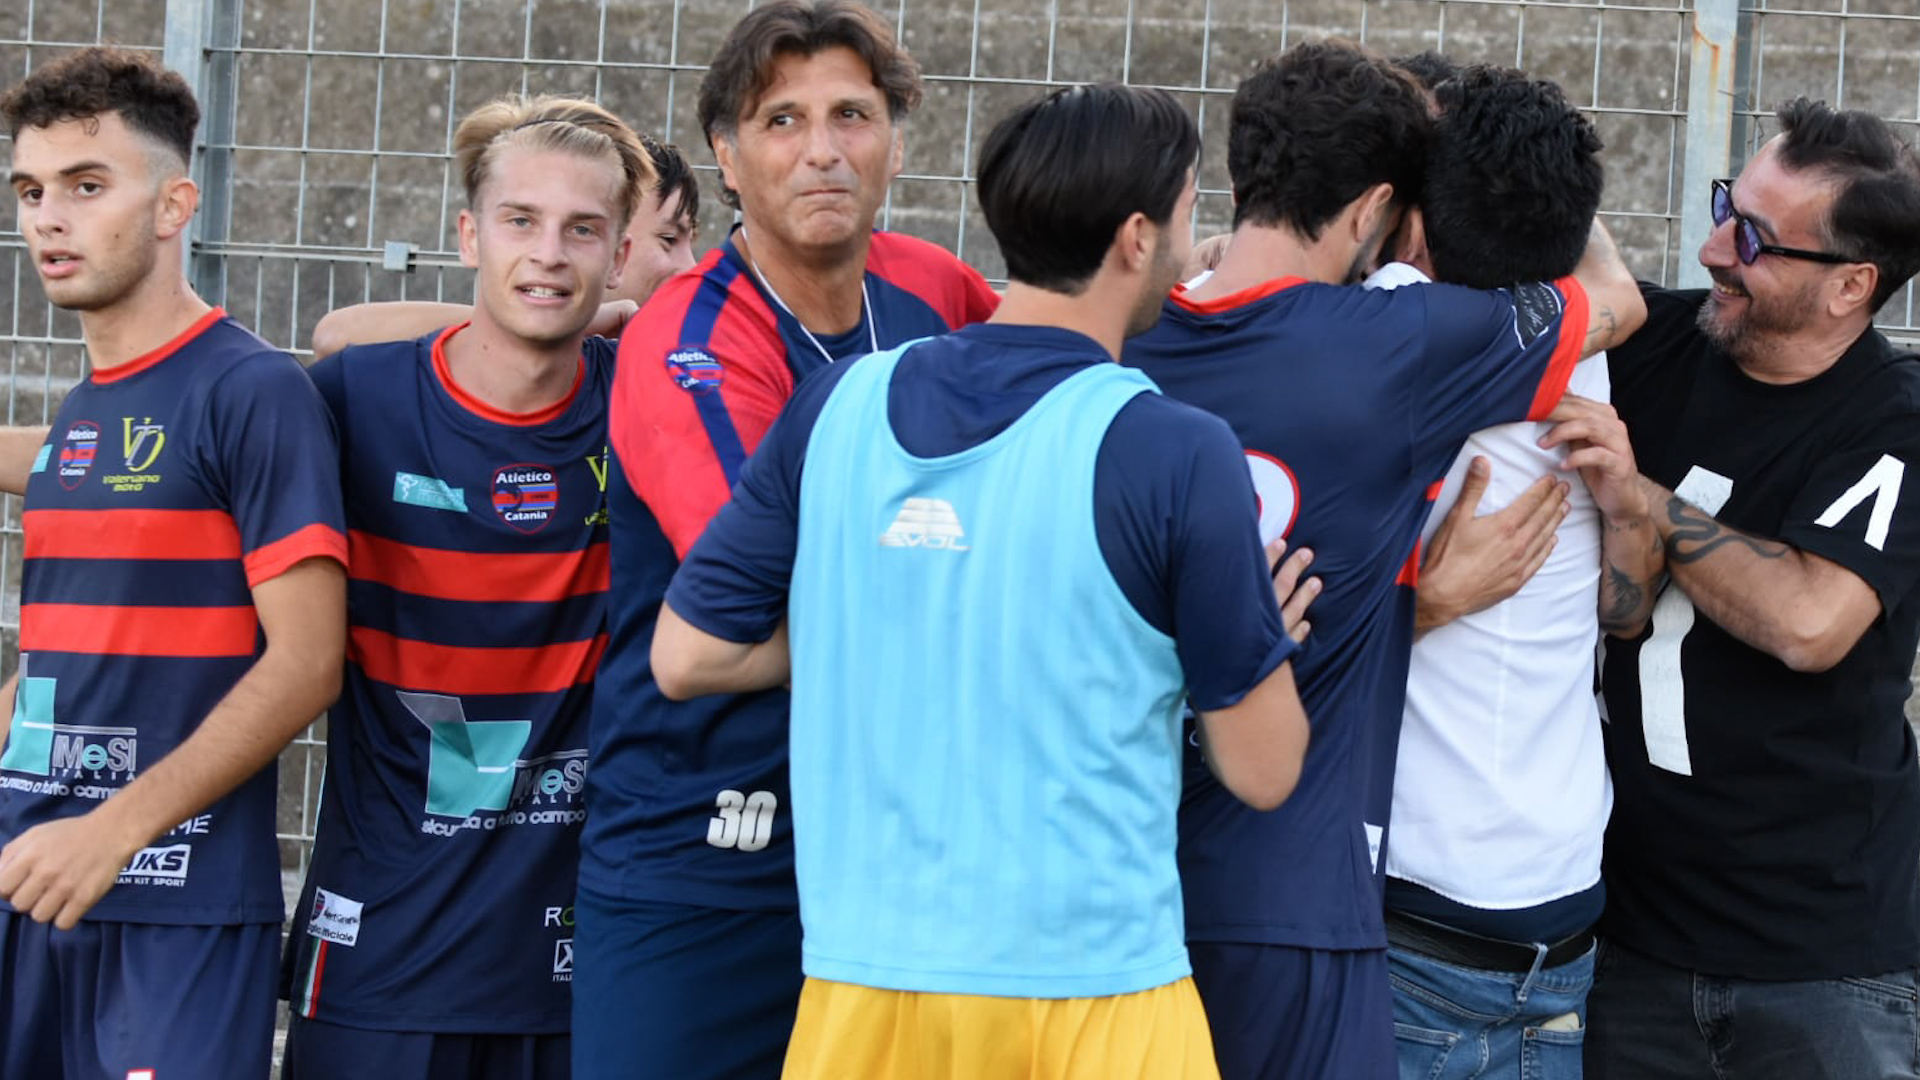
(847, 1032)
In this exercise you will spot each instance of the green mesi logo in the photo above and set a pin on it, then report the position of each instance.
(428, 491)
(471, 764)
(38, 745)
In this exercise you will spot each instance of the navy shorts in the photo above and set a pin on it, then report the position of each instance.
(133, 1001)
(1278, 1013)
(317, 1050)
(673, 990)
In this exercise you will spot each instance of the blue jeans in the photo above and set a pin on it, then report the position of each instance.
(1652, 1020)
(1456, 1023)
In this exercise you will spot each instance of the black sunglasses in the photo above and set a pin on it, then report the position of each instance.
(1746, 235)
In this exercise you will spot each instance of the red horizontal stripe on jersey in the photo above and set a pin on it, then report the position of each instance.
(130, 534)
(269, 561)
(110, 630)
(464, 575)
(460, 670)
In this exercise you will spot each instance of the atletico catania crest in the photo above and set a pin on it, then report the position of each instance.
(77, 450)
(525, 496)
(695, 370)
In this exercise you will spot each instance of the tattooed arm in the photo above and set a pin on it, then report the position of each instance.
(1805, 610)
(1615, 308)
(1631, 552)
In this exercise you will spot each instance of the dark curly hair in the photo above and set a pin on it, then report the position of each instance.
(1875, 214)
(1513, 181)
(1429, 68)
(151, 99)
(1315, 128)
(743, 68)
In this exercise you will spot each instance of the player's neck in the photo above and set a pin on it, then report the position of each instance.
(155, 312)
(1258, 254)
(820, 286)
(508, 372)
(1784, 359)
(1098, 312)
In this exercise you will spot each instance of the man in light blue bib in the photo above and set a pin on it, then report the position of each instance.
(995, 565)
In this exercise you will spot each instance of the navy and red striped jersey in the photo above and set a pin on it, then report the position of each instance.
(689, 799)
(1351, 404)
(440, 896)
(169, 487)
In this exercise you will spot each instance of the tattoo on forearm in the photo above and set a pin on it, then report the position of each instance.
(1605, 325)
(1624, 601)
(1696, 535)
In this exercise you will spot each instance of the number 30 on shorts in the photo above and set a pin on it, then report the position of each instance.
(742, 822)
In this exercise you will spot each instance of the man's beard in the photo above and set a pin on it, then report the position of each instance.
(1735, 334)
(1165, 274)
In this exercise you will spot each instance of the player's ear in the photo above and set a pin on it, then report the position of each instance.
(898, 156)
(618, 267)
(723, 156)
(1857, 282)
(1133, 242)
(177, 199)
(1370, 210)
(469, 240)
(1410, 243)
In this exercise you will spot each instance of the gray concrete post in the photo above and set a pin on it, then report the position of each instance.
(201, 36)
(1712, 67)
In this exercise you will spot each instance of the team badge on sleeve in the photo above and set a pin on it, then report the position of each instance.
(694, 369)
(1536, 305)
(77, 451)
(525, 496)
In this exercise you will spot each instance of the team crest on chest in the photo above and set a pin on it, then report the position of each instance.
(694, 369)
(77, 450)
(526, 496)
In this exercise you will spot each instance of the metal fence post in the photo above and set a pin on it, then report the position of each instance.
(1712, 66)
(202, 37)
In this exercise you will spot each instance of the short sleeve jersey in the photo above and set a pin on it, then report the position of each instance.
(1766, 822)
(983, 909)
(1350, 404)
(440, 896)
(169, 488)
(704, 369)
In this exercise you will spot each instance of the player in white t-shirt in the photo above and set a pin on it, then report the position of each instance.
(1501, 797)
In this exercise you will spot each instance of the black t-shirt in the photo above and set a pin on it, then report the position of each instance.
(1766, 822)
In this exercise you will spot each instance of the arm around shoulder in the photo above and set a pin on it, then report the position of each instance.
(399, 320)
(1615, 308)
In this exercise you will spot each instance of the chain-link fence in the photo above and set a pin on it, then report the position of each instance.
(326, 180)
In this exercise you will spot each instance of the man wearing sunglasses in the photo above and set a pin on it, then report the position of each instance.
(1763, 862)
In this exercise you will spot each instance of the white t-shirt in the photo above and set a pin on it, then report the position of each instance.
(1501, 794)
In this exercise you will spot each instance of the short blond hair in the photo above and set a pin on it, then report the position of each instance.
(570, 125)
